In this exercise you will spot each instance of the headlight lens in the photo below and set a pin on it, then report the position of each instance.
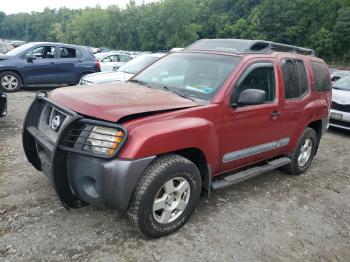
(103, 141)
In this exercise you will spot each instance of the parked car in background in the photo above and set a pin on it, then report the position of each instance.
(3, 104)
(17, 43)
(340, 111)
(338, 74)
(124, 73)
(219, 112)
(6, 47)
(41, 63)
(110, 61)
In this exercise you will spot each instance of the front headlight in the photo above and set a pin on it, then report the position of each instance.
(103, 141)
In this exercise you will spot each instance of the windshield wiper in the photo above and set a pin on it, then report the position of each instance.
(140, 82)
(178, 93)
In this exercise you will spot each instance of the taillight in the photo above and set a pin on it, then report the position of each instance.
(98, 65)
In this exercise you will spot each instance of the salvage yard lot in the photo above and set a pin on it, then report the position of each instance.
(274, 217)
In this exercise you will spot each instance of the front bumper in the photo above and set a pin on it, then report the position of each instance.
(79, 177)
(3, 104)
(102, 182)
(340, 119)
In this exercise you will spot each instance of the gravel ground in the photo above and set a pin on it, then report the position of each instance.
(274, 217)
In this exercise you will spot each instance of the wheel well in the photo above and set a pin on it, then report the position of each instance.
(317, 126)
(85, 73)
(196, 156)
(14, 71)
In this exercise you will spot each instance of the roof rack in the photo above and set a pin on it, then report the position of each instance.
(247, 46)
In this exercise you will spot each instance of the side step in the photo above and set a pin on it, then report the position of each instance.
(249, 173)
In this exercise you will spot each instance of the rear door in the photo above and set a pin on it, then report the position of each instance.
(251, 133)
(40, 65)
(296, 93)
(68, 60)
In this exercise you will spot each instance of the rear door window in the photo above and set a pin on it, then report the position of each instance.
(66, 52)
(295, 79)
(321, 75)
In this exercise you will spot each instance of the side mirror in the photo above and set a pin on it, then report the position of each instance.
(251, 97)
(30, 59)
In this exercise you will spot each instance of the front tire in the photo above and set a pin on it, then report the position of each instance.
(303, 153)
(10, 82)
(166, 196)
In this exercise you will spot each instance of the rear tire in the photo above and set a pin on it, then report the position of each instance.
(166, 196)
(303, 153)
(10, 82)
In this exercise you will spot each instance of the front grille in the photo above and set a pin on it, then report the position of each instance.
(339, 107)
(51, 120)
(339, 122)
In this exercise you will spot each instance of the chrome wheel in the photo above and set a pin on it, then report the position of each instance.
(305, 152)
(9, 82)
(171, 200)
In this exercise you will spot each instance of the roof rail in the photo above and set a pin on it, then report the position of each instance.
(247, 46)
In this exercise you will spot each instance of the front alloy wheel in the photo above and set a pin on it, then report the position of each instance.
(171, 200)
(166, 196)
(10, 81)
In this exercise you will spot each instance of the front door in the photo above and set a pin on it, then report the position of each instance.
(40, 65)
(251, 132)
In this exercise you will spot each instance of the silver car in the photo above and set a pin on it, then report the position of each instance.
(124, 73)
(340, 111)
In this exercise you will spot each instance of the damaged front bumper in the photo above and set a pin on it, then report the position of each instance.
(79, 177)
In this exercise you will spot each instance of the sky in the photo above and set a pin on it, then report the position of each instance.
(18, 6)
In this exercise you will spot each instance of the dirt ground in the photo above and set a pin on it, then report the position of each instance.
(274, 217)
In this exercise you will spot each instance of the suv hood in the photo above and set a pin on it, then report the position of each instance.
(341, 97)
(114, 101)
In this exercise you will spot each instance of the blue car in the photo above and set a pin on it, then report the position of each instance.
(41, 63)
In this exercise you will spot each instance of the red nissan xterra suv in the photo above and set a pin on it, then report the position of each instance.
(215, 114)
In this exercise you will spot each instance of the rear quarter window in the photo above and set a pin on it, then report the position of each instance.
(321, 75)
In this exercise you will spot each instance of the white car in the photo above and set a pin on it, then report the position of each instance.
(110, 61)
(339, 74)
(124, 73)
(340, 111)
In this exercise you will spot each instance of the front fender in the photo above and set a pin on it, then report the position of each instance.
(170, 135)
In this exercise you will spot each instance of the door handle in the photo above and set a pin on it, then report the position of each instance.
(275, 114)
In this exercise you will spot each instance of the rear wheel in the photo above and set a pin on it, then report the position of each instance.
(10, 81)
(166, 196)
(303, 153)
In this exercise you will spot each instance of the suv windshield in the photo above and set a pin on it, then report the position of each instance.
(343, 84)
(193, 75)
(137, 64)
